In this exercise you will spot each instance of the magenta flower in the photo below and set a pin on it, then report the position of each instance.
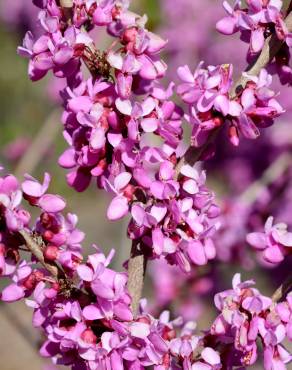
(206, 88)
(253, 21)
(274, 243)
(119, 206)
(35, 193)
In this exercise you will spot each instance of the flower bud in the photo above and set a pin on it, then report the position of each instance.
(51, 253)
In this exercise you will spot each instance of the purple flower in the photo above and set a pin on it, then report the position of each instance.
(274, 243)
(35, 193)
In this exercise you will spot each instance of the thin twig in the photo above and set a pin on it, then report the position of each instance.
(36, 250)
(283, 290)
(136, 269)
(282, 163)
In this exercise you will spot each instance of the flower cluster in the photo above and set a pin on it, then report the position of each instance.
(111, 119)
(108, 135)
(246, 316)
(177, 221)
(125, 131)
(207, 92)
(60, 239)
(84, 309)
(110, 129)
(274, 244)
(258, 20)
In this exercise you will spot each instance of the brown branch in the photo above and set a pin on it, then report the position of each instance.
(37, 252)
(136, 271)
(286, 6)
(283, 290)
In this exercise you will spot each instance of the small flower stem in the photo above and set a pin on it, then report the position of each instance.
(283, 290)
(277, 168)
(37, 252)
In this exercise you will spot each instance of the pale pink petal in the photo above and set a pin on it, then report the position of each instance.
(122, 180)
(12, 293)
(257, 240)
(196, 253)
(257, 40)
(191, 186)
(52, 203)
(147, 106)
(226, 25)
(139, 330)
(211, 356)
(97, 138)
(85, 272)
(149, 124)
(118, 208)
(115, 60)
(92, 312)
(124, 106)
(185, 74)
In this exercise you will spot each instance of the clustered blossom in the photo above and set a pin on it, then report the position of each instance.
(89, 324)
(110, 123)
(125, 132)
(179, 222)
(111, 119)
(247, 316)
(274, 244)
(60, 237)
(256, 20)
(207, 92)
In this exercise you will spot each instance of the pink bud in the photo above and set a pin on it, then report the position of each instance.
(51, 252)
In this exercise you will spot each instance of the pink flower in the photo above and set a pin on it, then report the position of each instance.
(274, 243)
(35, 193)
